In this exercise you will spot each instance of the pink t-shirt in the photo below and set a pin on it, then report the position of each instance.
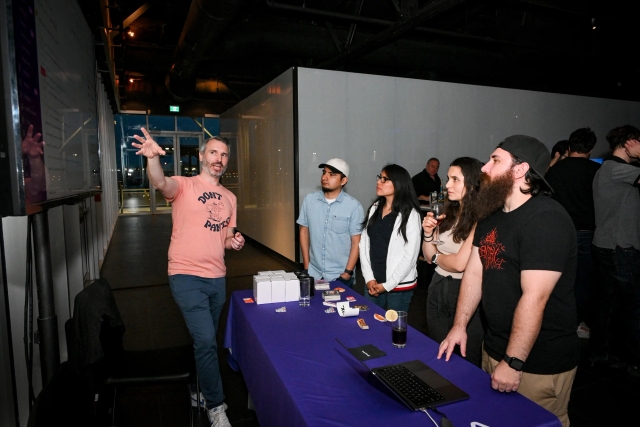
(201, 215)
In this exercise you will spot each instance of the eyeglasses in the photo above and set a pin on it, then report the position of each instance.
(382, 178)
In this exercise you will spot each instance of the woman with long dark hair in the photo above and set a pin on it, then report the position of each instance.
(390, 241)
(456, 231)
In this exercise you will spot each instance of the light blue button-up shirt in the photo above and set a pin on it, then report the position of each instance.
(331, 226)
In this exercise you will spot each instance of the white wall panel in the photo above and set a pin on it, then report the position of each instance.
(416, 124)
(370, 132)
(370, 121)
(262, 126)
(408, 121)
(323, 95)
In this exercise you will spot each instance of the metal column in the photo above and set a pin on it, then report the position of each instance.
(47, 319)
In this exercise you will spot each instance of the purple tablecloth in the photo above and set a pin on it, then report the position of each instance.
(298, 375)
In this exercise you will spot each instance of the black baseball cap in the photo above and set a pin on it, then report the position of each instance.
(529, 150)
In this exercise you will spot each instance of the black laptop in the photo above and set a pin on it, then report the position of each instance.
(415, 384)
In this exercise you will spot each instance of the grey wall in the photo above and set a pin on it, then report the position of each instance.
(262, 127)
(373, 120)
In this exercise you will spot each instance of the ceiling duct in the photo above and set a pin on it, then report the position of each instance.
(206, 22)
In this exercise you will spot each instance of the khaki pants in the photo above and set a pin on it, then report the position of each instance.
(549, 391)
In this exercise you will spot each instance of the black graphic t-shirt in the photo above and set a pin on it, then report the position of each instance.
(539, 235)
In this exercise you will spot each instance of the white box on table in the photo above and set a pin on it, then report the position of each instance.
(262, 289)
(292, 287)
(264, 273)
(278, 289)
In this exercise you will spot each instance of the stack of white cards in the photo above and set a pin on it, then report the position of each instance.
(321, 285)
(275, 286)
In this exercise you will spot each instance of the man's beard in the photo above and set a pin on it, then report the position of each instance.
(327, 189)
(493, 194)
(206, 167)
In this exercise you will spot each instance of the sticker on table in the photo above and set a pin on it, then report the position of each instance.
(281, 310)
(248, 300)
(379, 317)
(362, 324)
(330, 310)
(361, 307)
(350, 298)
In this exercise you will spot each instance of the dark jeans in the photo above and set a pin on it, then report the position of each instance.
(584, 276)
(201, 301)
(618, 289)
(398, 301)
(442, 299)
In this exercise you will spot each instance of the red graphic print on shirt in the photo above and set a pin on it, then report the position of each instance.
(489, 250)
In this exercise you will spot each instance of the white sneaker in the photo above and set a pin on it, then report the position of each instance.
(583, 331)
(194, 400)
(218, 416)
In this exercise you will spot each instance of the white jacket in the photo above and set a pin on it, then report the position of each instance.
(402, 258)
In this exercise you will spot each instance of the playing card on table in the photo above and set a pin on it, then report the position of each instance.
(350, 298)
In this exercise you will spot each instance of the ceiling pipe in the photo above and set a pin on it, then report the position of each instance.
(375, 21)
(206, 22)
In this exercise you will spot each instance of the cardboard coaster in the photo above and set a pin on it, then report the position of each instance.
(367, 352)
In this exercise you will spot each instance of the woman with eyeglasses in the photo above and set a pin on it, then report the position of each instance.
(390, 241)
(456, 231)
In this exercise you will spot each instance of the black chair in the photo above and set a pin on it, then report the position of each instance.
(105, 364)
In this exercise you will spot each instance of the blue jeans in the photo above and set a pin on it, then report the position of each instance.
(201, 301)
(398, 301)
(617, 290)
(584, 276)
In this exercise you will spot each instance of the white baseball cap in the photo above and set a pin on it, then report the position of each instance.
(337, 164)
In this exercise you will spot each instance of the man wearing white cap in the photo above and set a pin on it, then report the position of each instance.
(330, 226)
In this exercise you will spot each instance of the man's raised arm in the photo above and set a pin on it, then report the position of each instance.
(151, 150)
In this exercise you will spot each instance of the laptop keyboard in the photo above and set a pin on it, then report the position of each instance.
(412, 387)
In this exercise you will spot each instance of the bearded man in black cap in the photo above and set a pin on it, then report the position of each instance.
(522, 267)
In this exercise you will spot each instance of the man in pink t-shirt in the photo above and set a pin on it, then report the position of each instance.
(204, 221)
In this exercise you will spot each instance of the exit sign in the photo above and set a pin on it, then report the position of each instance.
(174, 108)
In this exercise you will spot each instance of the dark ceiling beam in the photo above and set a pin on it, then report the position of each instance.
(375, 21)
(206, 22)
(432, 9)
(352, 29)
(576, 7)
(136, 14)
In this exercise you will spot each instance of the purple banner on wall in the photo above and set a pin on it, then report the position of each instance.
(27, 69)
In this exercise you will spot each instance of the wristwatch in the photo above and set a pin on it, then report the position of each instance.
(349, 272)
(514, 362)
(434, 258)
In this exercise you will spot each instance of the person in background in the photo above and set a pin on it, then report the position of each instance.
(559, 151)
(204, 220)
(616, 250)
(391, 241)
(330, 226)
(427, 181)
(456, 231)
(572, 183)
(522, 266)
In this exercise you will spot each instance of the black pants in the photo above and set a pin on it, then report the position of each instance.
(442, 299)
